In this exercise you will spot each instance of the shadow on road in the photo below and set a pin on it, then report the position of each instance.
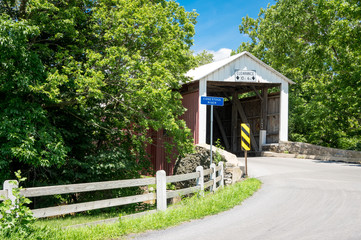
(338, 162)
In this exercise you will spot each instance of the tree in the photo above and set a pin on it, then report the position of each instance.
(316, 43)
(83, 82)
(203, 58)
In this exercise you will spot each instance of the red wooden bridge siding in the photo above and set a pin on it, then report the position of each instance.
(157, 151)
(191, 102)
(158, 154)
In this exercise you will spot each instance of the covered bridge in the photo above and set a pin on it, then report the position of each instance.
(254, 93)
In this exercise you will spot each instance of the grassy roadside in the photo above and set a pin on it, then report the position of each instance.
(192, 208)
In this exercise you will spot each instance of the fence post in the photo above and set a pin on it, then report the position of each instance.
(9, 185)
(161, 190)
(221, 174)
(213, 177)
(200, 179)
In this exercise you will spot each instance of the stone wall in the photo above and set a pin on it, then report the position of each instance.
(307, 150)
(188, 164)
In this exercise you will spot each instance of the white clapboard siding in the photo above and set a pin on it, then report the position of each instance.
(183, 191)
(183, 177)
(85, 187)
(80, 207)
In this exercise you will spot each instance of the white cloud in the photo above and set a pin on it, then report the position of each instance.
(221, 53)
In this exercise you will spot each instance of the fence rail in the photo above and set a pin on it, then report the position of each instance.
(184, 191)
(182, 177)
(85, 187)
(208, 184)
(208, 171)
(81, 207)
(216, 176)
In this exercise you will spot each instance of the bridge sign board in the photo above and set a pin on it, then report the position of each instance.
(245, 137)
(215, 101)
(245, 75)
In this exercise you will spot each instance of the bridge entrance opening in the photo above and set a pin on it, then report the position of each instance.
(255, 104)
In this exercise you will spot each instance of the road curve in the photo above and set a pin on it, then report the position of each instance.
(299, 199)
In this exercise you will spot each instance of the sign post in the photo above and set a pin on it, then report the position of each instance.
(245, 142)
(213, 101)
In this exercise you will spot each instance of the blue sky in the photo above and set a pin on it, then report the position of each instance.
(218, 22)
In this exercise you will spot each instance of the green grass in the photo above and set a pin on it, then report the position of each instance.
(188, 209)
(92, 216)
(73, 220)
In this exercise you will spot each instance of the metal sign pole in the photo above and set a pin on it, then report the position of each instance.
(245, 162)
(216, 101)
(211, 140)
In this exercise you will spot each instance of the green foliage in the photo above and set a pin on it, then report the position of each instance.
(217, 156)
(16, 218)
(25, 132)
(203, 58)
(82, 83)
(317, 44)
(218, 144)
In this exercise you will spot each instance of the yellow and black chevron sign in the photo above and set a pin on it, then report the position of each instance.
(245, 137)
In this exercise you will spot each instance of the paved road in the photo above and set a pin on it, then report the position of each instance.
(300, 199)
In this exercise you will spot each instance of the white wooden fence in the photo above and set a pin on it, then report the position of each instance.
(216, 176)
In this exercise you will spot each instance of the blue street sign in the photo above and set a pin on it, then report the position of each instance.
(213, 101)
(216, 101)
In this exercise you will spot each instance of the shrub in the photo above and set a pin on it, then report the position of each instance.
(16, 218)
